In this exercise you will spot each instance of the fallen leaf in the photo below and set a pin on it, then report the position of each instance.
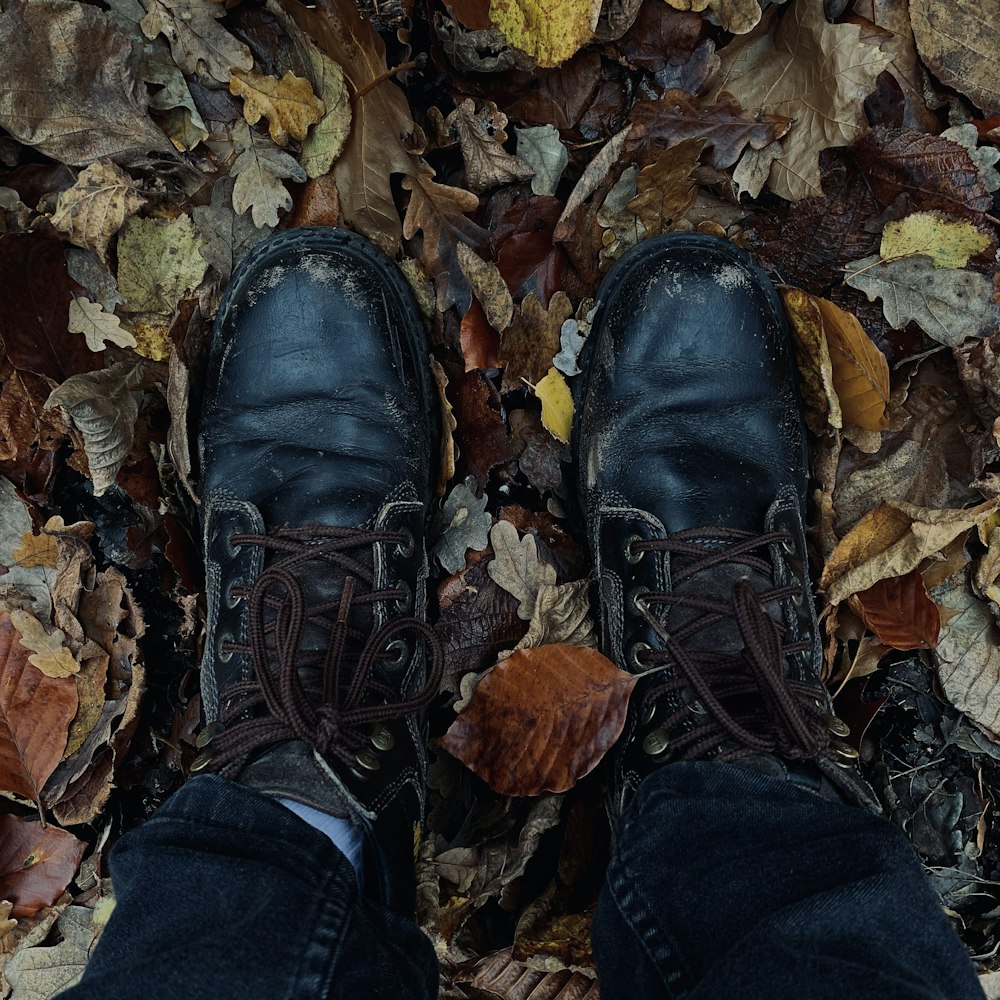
(497, 975)
(900, 612)
(481, 137)
(959, 46)
(516, 567)
(557, 405)
(103, 407)
(35, 713)
(947, 304)
(812, 353)
(37, 550)
(439, 211)
(666, 189)
(488, 287)
(70, 88)
(375, 148)
(541, 149)
(158, 263)
(799, 66)
(532, 341)
(548, 31)
(948, 242)
(184, 124)
(259, 169)
(541, 720)
(464, 524)
(288, 104)
(447, 455)
(42, 972)
(724, 125)
(48, 650)
(737, 16)
(890, 541)
(37, 863)
(97, 326)
(984, 157)
(33, 581)
(225, 236)
(319, 205)
(542, 456)
(561, 615)
(95, 208)
(198, 42)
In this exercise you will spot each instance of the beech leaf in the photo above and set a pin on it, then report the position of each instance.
(288, 104)
(97, 326)
(557, 405)
(541, 720)
(547, 30)
(159, 262)
(37, 863)
(947, 304)
(900, 612)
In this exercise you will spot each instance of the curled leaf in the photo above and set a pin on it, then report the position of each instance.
(900, 612)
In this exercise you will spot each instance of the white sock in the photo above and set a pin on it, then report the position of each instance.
(345, 835)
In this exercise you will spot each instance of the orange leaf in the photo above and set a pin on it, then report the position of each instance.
(36, 863)
(35, 713)
(542, 719)
(900, 612)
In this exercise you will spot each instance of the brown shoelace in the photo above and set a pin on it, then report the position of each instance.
(729, 706)
(314, 709)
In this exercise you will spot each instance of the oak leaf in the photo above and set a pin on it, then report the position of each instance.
(528, 347)
(947, 304)
(665, 188)
(549, 31)
(95, 208)
(69, 87)
(498, 974)
(97, 326)
(464, 524)
(517, 568)
(561, 615)
(737, 16)
(37, 863)
(481, 137)
(35, 581)
(800, 66)
(48, 650)
(35, 713)
(226, 236)
(541, 149)
(900, 612)
(948, 242)
(288, 104)
(259, 169)
(542, 720)
(184, 123)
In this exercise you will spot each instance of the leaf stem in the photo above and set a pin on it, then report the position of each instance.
(387, 75)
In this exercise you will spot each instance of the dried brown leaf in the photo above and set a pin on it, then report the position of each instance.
(498, 975)
(48, 650)
(481, 135)
(288, 104)
(533, 340)
(542, 720)
(36, 863)
(666, 187)
(900, 612)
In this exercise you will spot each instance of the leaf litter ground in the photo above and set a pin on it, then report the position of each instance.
(147, 145)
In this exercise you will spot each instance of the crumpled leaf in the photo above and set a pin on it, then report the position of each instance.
(947, 304)
(541, 149)
(198, 42)
(498, 975)
(488, 286)
(948, 242)
(548, 31)
(737, 16)
(984, 157)
(103, 407)
(288, 104)
(541, 720)
(967, 656)
(48, 650)
(70, 87)
(44, 971)
(95, 208)
(481, 137)
(37, 863)
(158, 263)
(557, 405)
(900, 612)
(97, 326)
(891, 540)
(225, 236)
(465, 525)
(259, 170)
(561, 615)
(799, 66)
(666, 189)
(35, 713)
(516, 567)
(542, 456)
(185, 125)
(533, 339)
(959, 46)
(34, 581)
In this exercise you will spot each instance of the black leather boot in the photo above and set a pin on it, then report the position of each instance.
(318, 442)
(691, 450)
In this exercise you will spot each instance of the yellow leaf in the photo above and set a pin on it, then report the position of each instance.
(557, 405)
(36, 550)
(47, 650)
(549, 30)
(948, 242)
(813, 356)
(288, 104)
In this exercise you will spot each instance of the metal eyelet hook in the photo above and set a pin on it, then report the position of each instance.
(631, 554)
(225, 655)
(405, 548)
(403, 603)
(637, 654)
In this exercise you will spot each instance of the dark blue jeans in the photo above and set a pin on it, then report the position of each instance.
(723, 884)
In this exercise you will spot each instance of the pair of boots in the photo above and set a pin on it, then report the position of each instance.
(318, 452)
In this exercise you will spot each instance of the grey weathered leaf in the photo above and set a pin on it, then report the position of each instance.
(543, 151)
(45, 971)
(103, 407)
(37, 581)
(159, 69)
(984, 157)
(158, 261)
(517, 568)
(70, 86)
(226, 238)
(465, 525)
(570, 344)
(948, 304)
(259, 169)
(488, 286)
(96, 325)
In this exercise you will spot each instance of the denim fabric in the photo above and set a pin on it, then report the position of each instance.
(723, 884)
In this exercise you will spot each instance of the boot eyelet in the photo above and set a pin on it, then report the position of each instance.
(233, 599)
(381, 738)
(368, 760)
(405, 548)
(655, 742)
(648, 714)
(637, 654)
(631, 554)
(225, 655)
(201, 762)
(636, 599)
(403, 603)
(797, 599)
(697, 707)
(208, 734)
(400, 654)
(232, 550)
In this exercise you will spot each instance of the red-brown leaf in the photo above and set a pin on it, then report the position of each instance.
(541, 720)
(36, 863)
(900, 612)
